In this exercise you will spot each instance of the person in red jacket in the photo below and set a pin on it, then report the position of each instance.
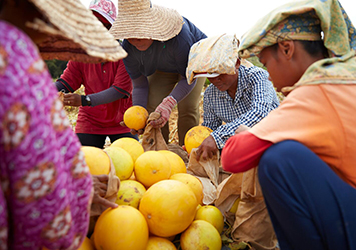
(108, 89)
(305, 148)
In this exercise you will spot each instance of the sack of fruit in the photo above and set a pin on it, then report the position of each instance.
(240, 199)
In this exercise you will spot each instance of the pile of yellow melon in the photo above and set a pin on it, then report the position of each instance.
(159, 202)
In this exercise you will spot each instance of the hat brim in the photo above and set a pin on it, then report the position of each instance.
(208, 75)
(74, 33)
(104, 15)
(158, 23)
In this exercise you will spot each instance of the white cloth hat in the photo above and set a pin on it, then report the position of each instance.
(217, 55)
(209, 75)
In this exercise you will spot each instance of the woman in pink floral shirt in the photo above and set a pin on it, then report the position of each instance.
(46, 187)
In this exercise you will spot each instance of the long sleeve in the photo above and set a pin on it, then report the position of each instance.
(210, 117)
(72, 77)
(182, 89)
(140, 91)
(243, 152)
(255, 99)
(120, 88)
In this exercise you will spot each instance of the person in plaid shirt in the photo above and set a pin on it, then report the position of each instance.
(240, 93)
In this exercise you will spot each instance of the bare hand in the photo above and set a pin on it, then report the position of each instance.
(100, 188)
(207, 149)
(72, 100)
(133, 131)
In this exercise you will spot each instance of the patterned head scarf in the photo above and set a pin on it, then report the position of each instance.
(302, 20)
(305, 20)
(216, 54)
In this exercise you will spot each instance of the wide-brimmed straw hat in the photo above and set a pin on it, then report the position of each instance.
(74, 33)
(143, 20)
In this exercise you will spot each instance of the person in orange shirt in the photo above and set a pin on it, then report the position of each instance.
(304, 149)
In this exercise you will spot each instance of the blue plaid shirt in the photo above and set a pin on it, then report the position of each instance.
(255, 98)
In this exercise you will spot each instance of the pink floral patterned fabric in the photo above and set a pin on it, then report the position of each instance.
(46, 187)
(104, 7)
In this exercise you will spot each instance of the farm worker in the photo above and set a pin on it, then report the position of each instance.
(305, 149)
(108, 90)
(46, 187)
(239, 93)
(157, 40)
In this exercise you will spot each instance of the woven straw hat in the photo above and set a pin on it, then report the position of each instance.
(74, 33)
(140, 19)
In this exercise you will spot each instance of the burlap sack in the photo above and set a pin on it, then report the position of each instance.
(111, 192)
(175, 148)
(251, 223)
(207, 172)
(152, 138)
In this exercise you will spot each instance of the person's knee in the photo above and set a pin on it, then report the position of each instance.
(276, 159)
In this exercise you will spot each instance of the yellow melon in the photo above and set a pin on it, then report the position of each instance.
(97, 160)
(132, 146)
(193, 182)
(132, 177)
(234, 206)
(212, 215)
(171, 238)
(87, 245)
(169, 207)
(130, 193)
(123, 227)
(177, 163)
(122, 162)
(151, 167)
(200, 235)
(135, 117)
(158, 243)
(195, 136)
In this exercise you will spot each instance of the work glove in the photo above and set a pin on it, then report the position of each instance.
(165, 109)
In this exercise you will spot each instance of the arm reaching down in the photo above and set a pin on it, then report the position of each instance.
(243, 152)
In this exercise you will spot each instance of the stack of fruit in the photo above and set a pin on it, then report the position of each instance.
(159, 202)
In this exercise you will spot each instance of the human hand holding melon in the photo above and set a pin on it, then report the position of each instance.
(207, 149)
(164, 109)
(195, 137)
(135, 118)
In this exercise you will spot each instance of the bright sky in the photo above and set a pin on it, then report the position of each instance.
(215, 17)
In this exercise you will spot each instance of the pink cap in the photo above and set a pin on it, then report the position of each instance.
(106, 8)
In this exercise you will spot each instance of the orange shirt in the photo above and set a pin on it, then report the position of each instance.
(323, 118)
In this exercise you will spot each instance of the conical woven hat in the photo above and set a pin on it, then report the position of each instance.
(74, 33)
(140, 19)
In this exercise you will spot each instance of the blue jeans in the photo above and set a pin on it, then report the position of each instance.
(310, 206)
